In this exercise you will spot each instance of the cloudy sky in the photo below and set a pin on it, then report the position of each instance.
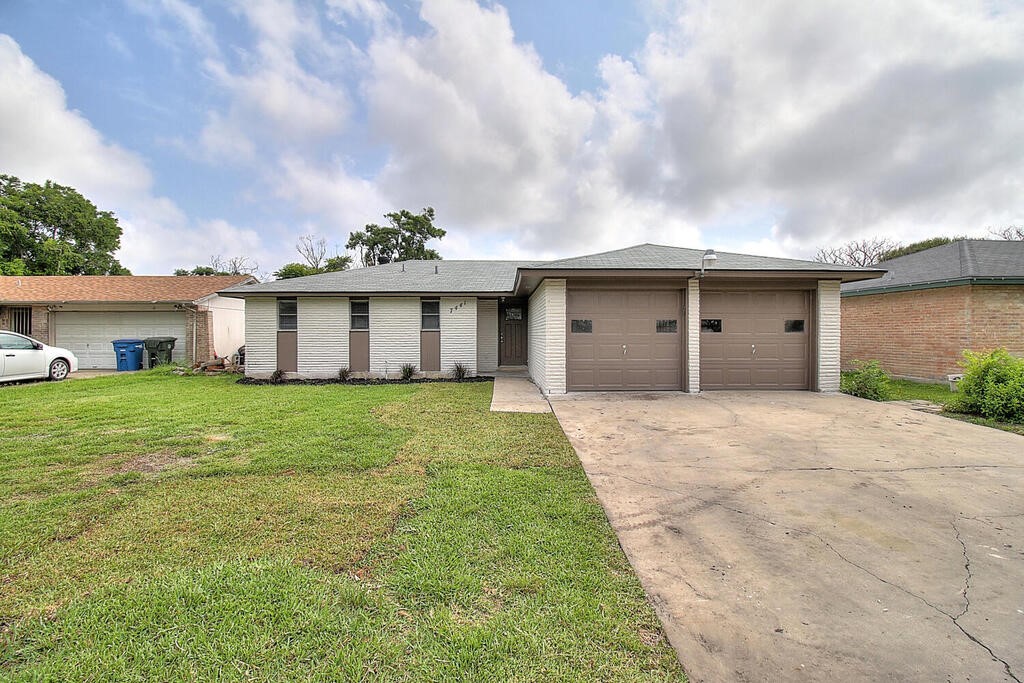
(536, 129)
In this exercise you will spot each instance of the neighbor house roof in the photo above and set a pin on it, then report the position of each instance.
(46, 289)
(502, 277)
(956, 263)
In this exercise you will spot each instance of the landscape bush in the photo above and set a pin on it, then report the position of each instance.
(459, 371)
(867, 380)
(344, 374)
(408, 370)
(992, 386)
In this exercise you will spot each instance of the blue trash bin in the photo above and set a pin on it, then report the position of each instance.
(129, 354)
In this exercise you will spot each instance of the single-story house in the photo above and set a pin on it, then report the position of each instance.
(84, 313)
(644, 317)
(931, 306)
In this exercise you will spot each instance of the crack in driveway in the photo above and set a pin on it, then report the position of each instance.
(704, 502)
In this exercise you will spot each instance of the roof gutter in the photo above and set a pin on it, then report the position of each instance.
(75, 302)
(362, 295)
(936, 284)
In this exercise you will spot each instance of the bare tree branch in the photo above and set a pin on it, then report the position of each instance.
(313, 251)
(863, 253)
(1010, 232)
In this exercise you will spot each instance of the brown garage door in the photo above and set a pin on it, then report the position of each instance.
(755, 340)
(623, 340)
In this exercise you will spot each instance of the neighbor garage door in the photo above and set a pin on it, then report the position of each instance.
(88, 335)
(755, 340)
(623, 340)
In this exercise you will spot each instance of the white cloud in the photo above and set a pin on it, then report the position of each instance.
(42, 139)
(855, 118)
(183, 17)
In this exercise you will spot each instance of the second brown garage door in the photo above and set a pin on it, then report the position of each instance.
(623, 339)
(755, 340)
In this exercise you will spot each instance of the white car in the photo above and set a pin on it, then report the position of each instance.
(22, 357)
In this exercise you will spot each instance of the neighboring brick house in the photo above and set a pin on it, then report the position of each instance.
(84, 313)
(931, 306)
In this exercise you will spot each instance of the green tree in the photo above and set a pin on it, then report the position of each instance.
(915, 247)
(403, 239)
(290, 270)
(51, 229)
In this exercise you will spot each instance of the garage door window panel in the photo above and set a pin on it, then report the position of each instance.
(745, 343)
(623, 349)
(582, 326)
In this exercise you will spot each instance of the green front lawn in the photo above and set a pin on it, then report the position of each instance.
(905, 390)
(155, 527)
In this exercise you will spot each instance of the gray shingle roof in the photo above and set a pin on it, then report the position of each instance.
(656, 256)
(950, 263)
(499, 277)
(413, 277)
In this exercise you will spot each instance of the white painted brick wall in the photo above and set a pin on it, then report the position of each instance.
(546, 333)
(458, 333)
(322, 335)
(536, 341)
(394, 334)
(486, 335)
(260, 337)
(693, 335)
(829, 327)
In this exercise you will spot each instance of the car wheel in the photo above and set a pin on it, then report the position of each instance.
(59, 370)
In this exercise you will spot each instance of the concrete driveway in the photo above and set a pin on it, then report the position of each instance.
(798, 536)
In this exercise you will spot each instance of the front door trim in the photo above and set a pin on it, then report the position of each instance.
(512, 334)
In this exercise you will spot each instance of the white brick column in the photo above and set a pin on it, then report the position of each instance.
(828, 324)
(693, 335)
(546, 336)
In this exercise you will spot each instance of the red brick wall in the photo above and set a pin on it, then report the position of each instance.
(202, 321)
(997, 318)
(922, 334)
(40, 322)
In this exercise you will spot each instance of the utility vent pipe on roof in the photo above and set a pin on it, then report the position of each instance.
(709, 259)
(435, 270)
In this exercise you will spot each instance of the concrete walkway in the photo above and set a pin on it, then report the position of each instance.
(517, 395)
(791, 536)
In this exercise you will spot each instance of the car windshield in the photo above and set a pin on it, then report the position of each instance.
(36, 341)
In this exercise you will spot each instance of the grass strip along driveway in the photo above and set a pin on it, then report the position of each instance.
(165, 528)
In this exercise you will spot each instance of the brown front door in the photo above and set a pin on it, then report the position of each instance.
(512, 338)
(755, 339)
(624, 339)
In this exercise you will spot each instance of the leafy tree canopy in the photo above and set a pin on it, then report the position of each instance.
(51, 229)
(403, 239)
(915, 247)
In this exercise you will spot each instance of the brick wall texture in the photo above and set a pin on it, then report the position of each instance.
(922, 334)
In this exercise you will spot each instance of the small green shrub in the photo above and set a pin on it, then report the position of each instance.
(408, 370)
(459, 371)
(277, 376)
(993, 386)
(867, 380)
(344, 374)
